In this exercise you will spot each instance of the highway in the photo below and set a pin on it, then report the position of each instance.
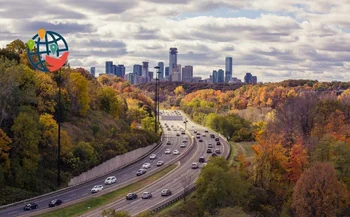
(173, 181)
(123, 176)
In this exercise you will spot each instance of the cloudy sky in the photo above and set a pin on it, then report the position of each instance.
(273, 39)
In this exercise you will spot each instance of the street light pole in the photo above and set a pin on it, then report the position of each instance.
(59, 131)
(155, 102)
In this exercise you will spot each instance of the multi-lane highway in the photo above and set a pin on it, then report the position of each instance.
(172, 181)
(175, 180)
(123, 176)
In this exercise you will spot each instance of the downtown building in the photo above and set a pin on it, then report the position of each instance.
(187, 74)
(250, 79)
(228, 69)
(161, 70)
(172, 61)
(93, 71)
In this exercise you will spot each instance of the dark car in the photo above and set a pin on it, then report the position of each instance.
(195, 131)
(214, 155)
(183, 133)
(168, 143)
(165, 192)
(55, 202)
(217, 139)
(198, 137)
(201, 140)
(206, 131)
(217, 151)
(209, 151)
(30, 206)
(212, 136)
(210, 145)
(218, 143)
(141, 172)
(201, 160)
(131, 196)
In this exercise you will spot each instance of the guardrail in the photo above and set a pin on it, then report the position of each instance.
(74, 186)
(158, 207)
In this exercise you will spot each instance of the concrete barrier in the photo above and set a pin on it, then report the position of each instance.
(113, 164)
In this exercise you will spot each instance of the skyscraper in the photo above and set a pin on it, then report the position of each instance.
(167, 71)
(109, 67)
(114, 69)
(92, 71)
(161, 70)
(221, 76)
(215, 76)
(145, 70)
(228, 69)
(187, 73)
(121, 71)
(150, 76)
(254, 79)
(248, 78)
(172, 60)
(137, 69)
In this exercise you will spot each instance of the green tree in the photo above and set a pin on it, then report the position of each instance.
(17, 46)
(148, 123)
(79, 94)
(86, 155)
(113, 213)
(111, 103)
(4, 154)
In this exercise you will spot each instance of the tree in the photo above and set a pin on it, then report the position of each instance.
(179, 90)
(318, 193)
(114, 213)
(17, 46)
(230, 212)
(4, 154)
(148, 123)
(78, 89)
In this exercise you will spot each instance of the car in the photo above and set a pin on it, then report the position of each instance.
(210, 145)
(198, 137)
(201, 140)
(169, 129)
(214, 155)
(217, 139)
(55, 202)
(153, 156)
(176, 152)
(184, 141)
(195, 131)
(30, 206)
(111, 180)
(160, 163)
(178, 134)
(212, 136)
(183, 133)
(146, 195)
(209, 150)
(206, 131)
(183, 145)
(96, 188)
(218, 143)
(204, 164)
(168, 143)
(172, 125)
(175, 130)
(198, 134)
(146, 165)
(131, 196)
(217, 151)
(203, 135)
(165, 192)
(201, 159)
(141, 172)
(194, 166)
(167, 151)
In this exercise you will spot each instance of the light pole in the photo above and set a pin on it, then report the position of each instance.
(59, 130)
(185, 122)
(155, 102)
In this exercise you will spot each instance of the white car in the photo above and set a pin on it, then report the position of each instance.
(152, 156)
(110, 180)
(96, 188)
(183, 145)
(167, 151)
(176, 152)
(194, 166)
(146, 165)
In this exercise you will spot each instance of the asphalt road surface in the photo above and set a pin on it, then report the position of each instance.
(123, 175)
(175, 180)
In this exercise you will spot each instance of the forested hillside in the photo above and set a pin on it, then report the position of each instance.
(101, 118)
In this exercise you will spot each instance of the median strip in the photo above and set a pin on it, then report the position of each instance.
(95, 202)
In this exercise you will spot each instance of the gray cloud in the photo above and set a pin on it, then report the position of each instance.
(103, 6)
(62, 28)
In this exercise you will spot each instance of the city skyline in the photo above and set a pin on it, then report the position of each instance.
(280, 40)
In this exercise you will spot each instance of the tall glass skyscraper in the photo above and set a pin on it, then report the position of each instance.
(161, 70)
(167, 71)
(145, 70)
(137, 69)
(172, 60)
(215, 76)
(93, 71)
(228, 69)
(109, 67)
(120, 71)
(221, 76)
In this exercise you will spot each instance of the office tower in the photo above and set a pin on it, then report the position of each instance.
(109, 67)
(187, 73)
(167, 71)
(114, 69)
(145, 70)
(121, 71)
(161, 70)
(215, 76)
(197, 79)
(150, 76)
(176, 76)
(221, 76)
(228, 69)
(254, 79)
(131, 78)
(92, 71)
(172, 60)
(248, 78)
(137, 69)
(235, 80)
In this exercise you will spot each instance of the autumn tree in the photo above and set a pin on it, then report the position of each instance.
(4, 154)
(79, 95)
(318, 193)
(179, 90)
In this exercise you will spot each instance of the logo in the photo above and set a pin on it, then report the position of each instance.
(47, 51)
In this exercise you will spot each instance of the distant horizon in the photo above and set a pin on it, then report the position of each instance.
(275, 41)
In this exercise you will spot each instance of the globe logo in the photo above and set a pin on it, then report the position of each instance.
(44, 50)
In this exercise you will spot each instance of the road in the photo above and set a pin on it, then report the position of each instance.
(173, 181)
(123, 176)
